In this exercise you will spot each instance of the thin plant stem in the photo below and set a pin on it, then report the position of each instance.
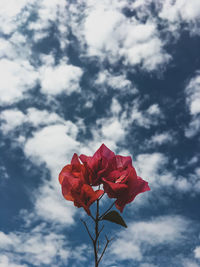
(107, 242)
(86, 227)
(96, 235)
(97, 232)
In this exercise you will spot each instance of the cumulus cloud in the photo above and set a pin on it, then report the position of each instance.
(148, 165)
(145, 118)
(193, 127)
(17, 63)
(50, 13)
(9, 11)
(53, 145)
(153, 168)
(178, 11)
(42, 117)
(5, 261)
(61, 78)
(12, 118)
(3, 173)
(193, 94)
(174, 16)
(197, 252)
(162, 138)
(193, 101)
(115, 126)
(116, 82)
(143, 236)
(34, 247)
(6, 49)
(49, 205)
(189, 263)
(117, 37)
(47, 144)
(17, 78)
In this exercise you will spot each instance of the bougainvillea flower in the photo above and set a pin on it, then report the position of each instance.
(73, 170)
(99, 165)
(124, 185)
(115, 172)
(74, 188)
(122, 162)
(85, 197)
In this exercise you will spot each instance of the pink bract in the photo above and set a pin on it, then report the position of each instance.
(99, 165)
(74, 186)
(114, 172)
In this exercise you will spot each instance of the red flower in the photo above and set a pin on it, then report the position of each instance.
(85, 197)
(74, 187)
(115, 172)
(99, 165)
(123, 183)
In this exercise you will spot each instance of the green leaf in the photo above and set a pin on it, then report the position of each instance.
(115, 217)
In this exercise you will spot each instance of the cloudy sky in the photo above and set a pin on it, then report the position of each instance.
(76, 74)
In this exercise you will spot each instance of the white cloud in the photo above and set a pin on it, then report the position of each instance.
(189, 263)
(193, 95)
(153, 168)
(193, 101)
(53, 145)
(162, 138)
(11, 119)
(3, 173)
(116, 82)
(35, 247)
(6, 49)
(148, 166)
(42, 117)
(154, 110)
(5, 240)
(141, 236)
(17, 78)
(51, 206)
(115, 106)
(6, 262)
(146, 118)
(126, 250)
(148, 265)
(179, 11)
(113, 129)
(119, 37)
(48, 13)
(14, 48)
(59, 79)
(9, 12)
(183, 184)
(197, 252)
(193, 160)
(193, 127)
(175, 15)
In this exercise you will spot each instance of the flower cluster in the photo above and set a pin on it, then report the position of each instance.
(114, 172)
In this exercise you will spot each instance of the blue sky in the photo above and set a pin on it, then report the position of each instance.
(74, 75)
